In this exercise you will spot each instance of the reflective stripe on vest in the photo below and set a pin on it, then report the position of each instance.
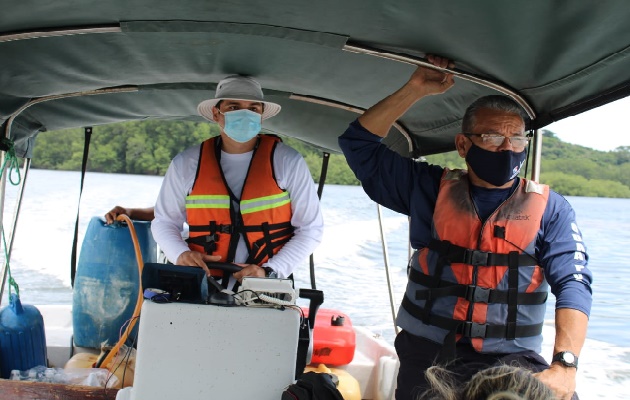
(482, 261)
(208, 201)
(264, 203)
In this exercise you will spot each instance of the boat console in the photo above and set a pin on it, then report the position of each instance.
(245, 349)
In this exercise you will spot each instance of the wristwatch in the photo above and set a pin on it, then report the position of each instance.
(269, 272)
(566, 358)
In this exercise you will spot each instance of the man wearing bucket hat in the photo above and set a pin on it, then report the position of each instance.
(246, 197)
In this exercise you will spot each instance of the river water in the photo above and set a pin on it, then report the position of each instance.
(349, 262)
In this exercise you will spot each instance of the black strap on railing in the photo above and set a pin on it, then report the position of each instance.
(320, 189)
(86, 150)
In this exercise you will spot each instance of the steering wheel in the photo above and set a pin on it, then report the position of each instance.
(224, 266)
(219, 297)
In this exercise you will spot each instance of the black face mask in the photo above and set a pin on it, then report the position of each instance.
(495, 167)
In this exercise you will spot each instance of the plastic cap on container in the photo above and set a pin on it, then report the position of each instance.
(337, 320)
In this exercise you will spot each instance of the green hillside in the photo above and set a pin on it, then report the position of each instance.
(147, 147)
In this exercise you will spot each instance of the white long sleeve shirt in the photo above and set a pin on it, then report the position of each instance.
(292, 174)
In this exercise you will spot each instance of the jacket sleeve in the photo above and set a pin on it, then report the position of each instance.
(388, 178)
(293, 175)
(170, 207)
(563, 256)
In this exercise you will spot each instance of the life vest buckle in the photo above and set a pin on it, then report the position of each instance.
(226, 229)
(475, 257)
(474, 330)
(213, 238)
(477, 294)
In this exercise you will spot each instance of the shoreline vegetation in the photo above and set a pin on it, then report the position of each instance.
(147, 147)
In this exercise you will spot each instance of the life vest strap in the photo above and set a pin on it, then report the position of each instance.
(220, 228)
(208, 242)
(471, 329)
(228, 228)
(457, 254)
(512, 293)
(472, 293)
(271, 227)
(266, 245)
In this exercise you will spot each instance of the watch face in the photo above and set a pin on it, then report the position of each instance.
(568, 358)
(270, 273)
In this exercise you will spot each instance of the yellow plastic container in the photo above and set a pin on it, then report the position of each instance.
(87, 360)
(348, 385)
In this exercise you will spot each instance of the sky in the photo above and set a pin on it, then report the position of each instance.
(604, 128)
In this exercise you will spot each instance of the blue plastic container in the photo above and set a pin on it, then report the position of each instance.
(22, 337)
(106, 283)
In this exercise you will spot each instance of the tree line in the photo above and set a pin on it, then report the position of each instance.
(146, 148)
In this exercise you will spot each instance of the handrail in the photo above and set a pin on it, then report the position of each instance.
(331, 103)
(463, 75)
(120, 89)
(44, 33)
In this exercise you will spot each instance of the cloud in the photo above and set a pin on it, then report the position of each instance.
(602, 128)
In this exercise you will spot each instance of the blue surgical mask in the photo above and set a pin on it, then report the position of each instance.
(495, 167)
(242, 125)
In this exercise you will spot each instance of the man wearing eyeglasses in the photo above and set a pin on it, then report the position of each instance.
(488, 244)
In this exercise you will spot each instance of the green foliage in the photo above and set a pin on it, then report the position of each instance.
(574, 170)
(144, 148)
(147, 147)
(450, 160)
(339, 173)
(574, 185)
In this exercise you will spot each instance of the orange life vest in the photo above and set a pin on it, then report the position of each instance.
(479, 279)
(264, 215)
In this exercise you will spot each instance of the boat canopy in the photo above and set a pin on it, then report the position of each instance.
(68, 63)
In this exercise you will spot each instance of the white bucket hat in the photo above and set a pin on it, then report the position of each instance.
(237, 87)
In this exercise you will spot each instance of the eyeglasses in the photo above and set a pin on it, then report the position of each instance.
(491, 139)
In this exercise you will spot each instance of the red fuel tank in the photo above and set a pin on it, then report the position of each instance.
(334, 339)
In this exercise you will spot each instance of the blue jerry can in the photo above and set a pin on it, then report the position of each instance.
(22, 337)
(106, 283)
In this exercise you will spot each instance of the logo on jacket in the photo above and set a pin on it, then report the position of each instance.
(518, 216)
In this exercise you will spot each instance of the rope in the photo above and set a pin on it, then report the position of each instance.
(11, 160)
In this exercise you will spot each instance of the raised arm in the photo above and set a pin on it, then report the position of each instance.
(423, 82)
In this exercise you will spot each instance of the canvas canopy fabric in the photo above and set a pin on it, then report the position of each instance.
(70, 64)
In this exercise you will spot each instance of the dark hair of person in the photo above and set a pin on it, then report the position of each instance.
(503, 382)
(493, 102)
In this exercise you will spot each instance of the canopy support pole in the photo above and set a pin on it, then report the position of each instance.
(536, 155)
(16, 214)
(320, 190)
(387, 270)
